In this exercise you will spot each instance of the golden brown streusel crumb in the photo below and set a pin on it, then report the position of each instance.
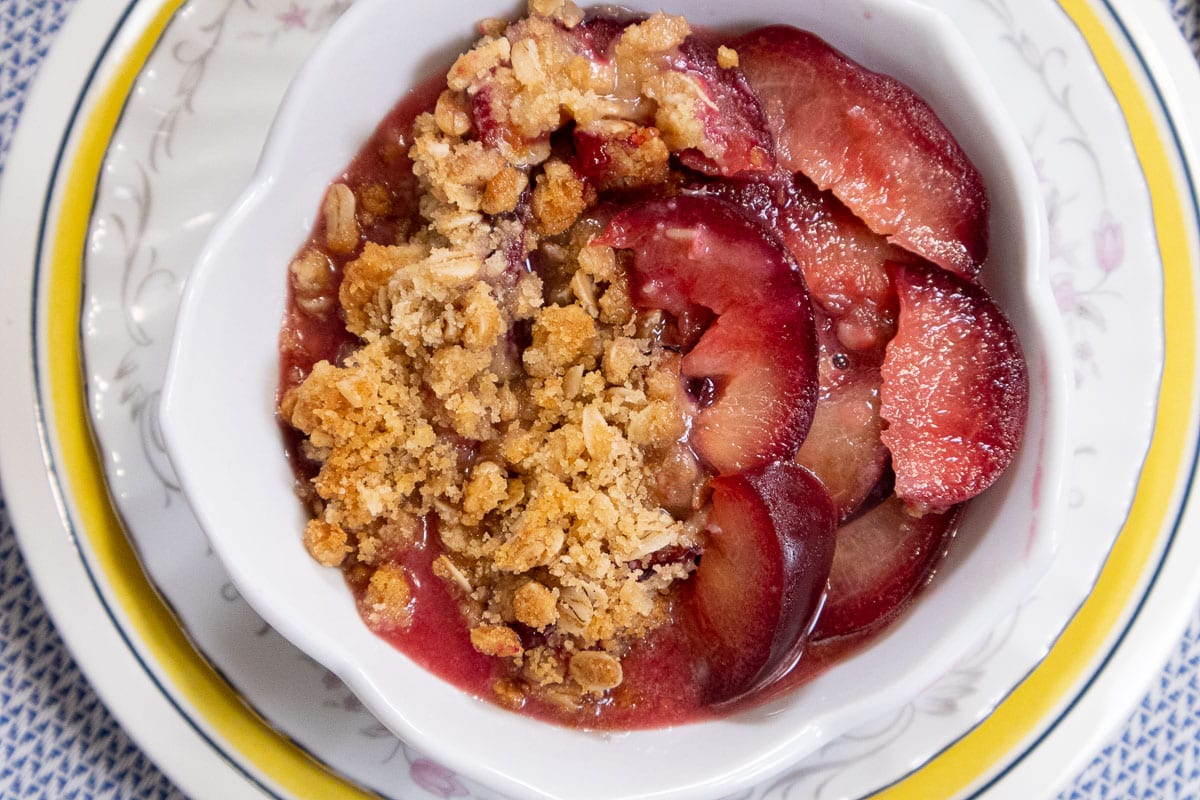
(485, 322)
(509, 694)
(503, 190)
(600, 263)
(662, 378)
(648, 40)
(387, 601)
(622, 355)
(375, 199)
(564, 11)
(584, 290)
(529, 546)
(535, 605)
(492, 26)
(366, 422)
(287, 404)
(678, 96)
(387, 539)
(485, 491)
(448, 571)
(363, 293)
(657, 424)
(490, 53)
(326, 542)
(530, 79)
(529, 296)
(544, 666)
(562, 336)
(528, 428)
(596, 671)
(559, 197)
(727, 57)
(599, 438)
(496, 640)
(616, 306)
(455, 170)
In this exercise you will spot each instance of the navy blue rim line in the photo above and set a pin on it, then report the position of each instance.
(44, 427)
(61, 492)
(1192, 467)
(176, 617)
(1195, 459)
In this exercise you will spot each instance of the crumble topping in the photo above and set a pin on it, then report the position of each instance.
(531, 420)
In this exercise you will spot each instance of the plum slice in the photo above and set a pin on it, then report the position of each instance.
(736, 137)
(693, 255)
(873, 142)
(955, 388)
(598, 30)
(844, 447)
(880, 560)
(761, 577)
(841, 258)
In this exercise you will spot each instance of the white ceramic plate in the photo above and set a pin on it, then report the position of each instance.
(219, 389)
(184, 76)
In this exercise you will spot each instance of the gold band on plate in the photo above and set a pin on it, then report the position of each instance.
(1022, 713)
(152, 625)
(148, 619)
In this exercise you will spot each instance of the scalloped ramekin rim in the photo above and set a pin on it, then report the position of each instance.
(217, 421)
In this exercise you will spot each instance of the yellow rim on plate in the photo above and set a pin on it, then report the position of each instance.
(148, 617)
(1019, 715)
(157, 631)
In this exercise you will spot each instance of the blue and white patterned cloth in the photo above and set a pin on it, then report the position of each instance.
(57, 740)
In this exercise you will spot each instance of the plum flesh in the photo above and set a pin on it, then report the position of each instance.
(955, 390)
(881, 559)
(842, 260)
(761, 578)
(873, 142)
(696, 254)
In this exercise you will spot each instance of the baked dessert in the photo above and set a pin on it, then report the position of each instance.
(634, 372)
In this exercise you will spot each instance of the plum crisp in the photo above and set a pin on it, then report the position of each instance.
(627, 363)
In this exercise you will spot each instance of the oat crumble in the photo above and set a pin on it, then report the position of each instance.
(612, 487)
(537, 425)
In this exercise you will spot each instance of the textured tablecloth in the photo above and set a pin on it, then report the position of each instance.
(58, 741)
